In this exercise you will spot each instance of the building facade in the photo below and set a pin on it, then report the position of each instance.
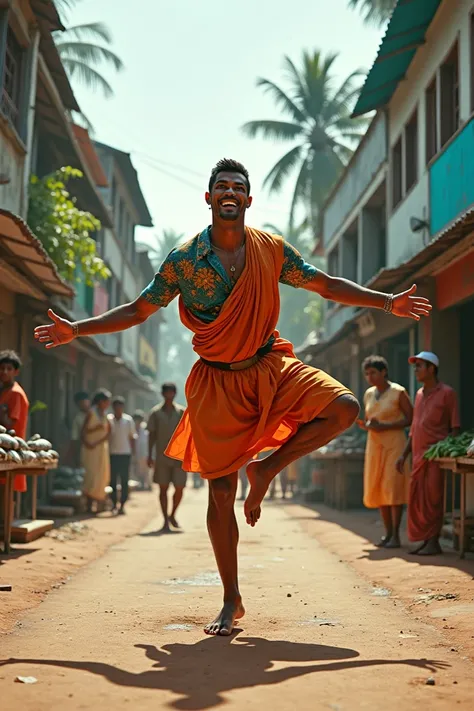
(37, 137)
(403, 211)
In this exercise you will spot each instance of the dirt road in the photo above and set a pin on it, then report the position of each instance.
(126, 632)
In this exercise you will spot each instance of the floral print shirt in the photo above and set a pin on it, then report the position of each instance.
(195, 271)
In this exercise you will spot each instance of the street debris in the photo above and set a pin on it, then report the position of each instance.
(26, 679)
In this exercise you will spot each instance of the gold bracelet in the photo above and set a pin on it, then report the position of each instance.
(75, 329)
(388, 305)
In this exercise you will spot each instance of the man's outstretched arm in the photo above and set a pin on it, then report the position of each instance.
(62, 331)
(406, 304)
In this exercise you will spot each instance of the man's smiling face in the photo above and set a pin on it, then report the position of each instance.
(229, 198)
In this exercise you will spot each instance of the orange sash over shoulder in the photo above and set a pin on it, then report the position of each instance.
(233, 415)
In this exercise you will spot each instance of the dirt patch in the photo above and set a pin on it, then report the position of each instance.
(35, 568)
(438, 590)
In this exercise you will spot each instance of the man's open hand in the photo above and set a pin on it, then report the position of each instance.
(409, 305)
(55, 334)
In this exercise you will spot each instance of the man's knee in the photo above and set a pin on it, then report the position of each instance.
(222, 491)
(164, 489)
(347, 410)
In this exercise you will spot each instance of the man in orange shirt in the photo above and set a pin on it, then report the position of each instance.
(14, 404)
(247, 393)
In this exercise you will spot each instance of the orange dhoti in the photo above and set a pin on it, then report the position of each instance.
(233, 415)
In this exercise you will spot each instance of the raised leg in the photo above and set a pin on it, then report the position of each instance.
(336, 418)
(164, 506)
(177, 496)
(224, 535)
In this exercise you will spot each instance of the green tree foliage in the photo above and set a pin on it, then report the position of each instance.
(375, 12)
(64, 230)
(85, 50)
(316, 119)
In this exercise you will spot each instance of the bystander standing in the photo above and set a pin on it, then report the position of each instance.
(122, 446)
(435, 416)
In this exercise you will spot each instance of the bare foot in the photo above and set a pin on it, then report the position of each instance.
(383, 542)
(259, 483)
(394, 542)
(224, 623)
(431, 548)
(174, 522)
(166, 528)
(418, 549)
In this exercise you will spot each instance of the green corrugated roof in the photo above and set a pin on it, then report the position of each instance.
(405, 33)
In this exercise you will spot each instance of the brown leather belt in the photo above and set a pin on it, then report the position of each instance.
(242, 364)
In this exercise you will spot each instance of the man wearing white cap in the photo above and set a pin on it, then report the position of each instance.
(435, 416)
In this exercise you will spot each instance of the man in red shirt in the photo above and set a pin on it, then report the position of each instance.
(435, 416)
(14, 404)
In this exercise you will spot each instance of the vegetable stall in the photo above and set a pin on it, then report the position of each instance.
(456, 456)
(33, 458)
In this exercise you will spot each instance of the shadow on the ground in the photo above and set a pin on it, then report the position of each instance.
(364, 524)
(15, 553)
(161, 532)
(201, 673)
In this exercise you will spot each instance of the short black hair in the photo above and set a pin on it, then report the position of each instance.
(101, 395)
(427, 363)
(169, 386)
(11, 358)
(375, 361)
(80, 396)
(118, 400)
(229, 165)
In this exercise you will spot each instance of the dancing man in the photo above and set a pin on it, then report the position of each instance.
(247, 392)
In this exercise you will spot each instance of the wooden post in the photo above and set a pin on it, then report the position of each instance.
(7, 511)
(462, 544)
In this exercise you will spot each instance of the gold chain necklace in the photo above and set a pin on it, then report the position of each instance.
(235, 255)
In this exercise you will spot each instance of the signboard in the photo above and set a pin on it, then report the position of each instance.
(452, 180)
(147, 355)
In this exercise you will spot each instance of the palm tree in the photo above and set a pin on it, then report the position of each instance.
(374, 11)
(81, 50)
(319, 120)
(162, 246)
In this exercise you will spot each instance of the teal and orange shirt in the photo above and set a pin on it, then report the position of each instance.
(195, 271)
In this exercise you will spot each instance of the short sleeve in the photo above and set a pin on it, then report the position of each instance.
(165, 286)
(295, 271)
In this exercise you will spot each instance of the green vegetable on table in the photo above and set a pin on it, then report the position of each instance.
(451, 447)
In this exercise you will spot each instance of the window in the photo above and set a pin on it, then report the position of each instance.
(411, 152)
(449, 99)
(11, 85)
(431, 103)
(397, 173)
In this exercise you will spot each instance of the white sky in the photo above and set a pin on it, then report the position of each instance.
(189, 85)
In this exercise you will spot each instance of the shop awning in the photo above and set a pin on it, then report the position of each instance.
(405, 33)
(24, 253)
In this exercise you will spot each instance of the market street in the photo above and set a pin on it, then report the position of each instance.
(126, 631)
